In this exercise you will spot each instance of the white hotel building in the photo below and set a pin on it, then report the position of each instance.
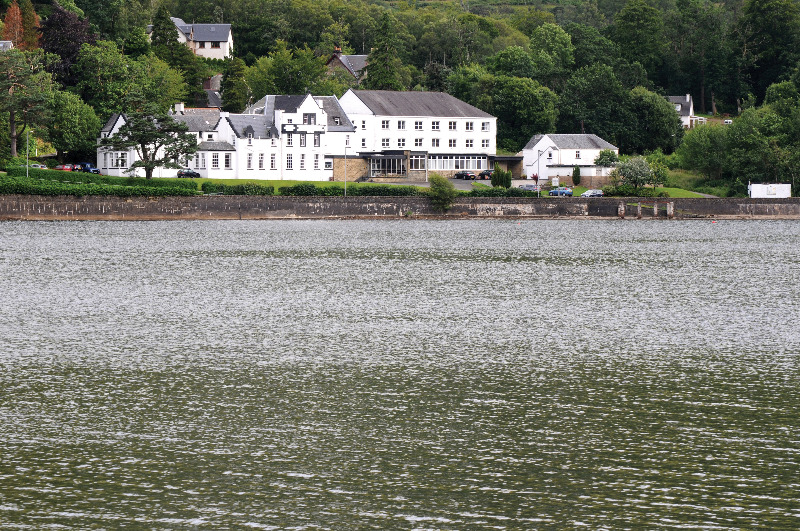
(394, 135)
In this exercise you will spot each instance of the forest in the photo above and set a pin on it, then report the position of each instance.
(569, 66)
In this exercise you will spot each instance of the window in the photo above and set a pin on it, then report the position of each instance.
(316, 161)
(309, 118)
(417, 142)
(209, 136)
(418, 125)
(469, 144)
(215, 44)
(274, 142)
(384, 124)
(249, 161)
(549, 155)
(289, 141)
(435, 125)
(289, 120)
(469, 126)
(302, 140)
(316, 139)
(451, 143)
(434, 142)
(485, 126)
(401, 124)
(337, 120)
(452, 126)
(363, 142)
(272, 162)
(215, 161)
(203, 161)
(201, 44)
(289, 161)
(249, 139)
(485, 143)
(260, 161)
(347, 140)
(303, 161)
(385, 142)
(401, 142)
(227, 161)
(328, 164)
(196, 160)
(417, 162)
(577, 154)
(105, 160)
(363, 124)
(122, 160)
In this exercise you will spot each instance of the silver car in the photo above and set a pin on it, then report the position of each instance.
(592, 193)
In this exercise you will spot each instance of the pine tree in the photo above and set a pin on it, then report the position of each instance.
(234, 87)
(383, 64)
(30, 26)
(12, 25)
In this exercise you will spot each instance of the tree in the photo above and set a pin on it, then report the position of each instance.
(576, 176)
(104, 77)
(514, 61)
(501, 178)
(635, 172)
(703, 149)
(235, 93)
(25, 89)
(285, 71)
(74, 127)
(654, 123)
(158, 82)
(638, 31)
(553, 54)
(442, 192)
(12, 25)
(63, 34)
(158, 139)
(606, 158)
(383, 63)
(523, 108)
(30, 25)
(137, 43)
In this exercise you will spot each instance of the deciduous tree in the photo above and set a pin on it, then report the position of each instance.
(63, 34)
(12, 25)
(30, 26)
(25, 90)
(74, 127)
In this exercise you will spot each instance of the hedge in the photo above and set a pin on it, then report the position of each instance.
(378, 190)
(500, 192)
(17, 185)
(210, 187)
(93, 178)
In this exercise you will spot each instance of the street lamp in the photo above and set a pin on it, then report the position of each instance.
(345, 170)
(538, 174)
(27, 152)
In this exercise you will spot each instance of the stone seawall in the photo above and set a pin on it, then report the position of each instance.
(20, 207)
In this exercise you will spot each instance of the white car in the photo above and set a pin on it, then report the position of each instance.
(592, 193)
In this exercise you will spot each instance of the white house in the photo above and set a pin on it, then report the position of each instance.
(554, 155)
(408, 134)
(280, 137)
(684, 106)
(214, 41)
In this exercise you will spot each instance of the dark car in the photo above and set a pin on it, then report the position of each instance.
(485, 174)
(562, 190)
(86, 167)
(189, 174)
(464, 175)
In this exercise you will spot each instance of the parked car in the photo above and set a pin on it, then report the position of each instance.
(485, 174)
(187, 173)
(86, 167)
(561, 190)
(464, 175)
(37, 166)
(592, 193)
(531, 187)
(64, 167)
(727, 122)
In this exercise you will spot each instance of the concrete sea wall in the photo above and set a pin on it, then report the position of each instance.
(21, 207)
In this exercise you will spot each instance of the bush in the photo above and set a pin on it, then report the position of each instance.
(576, 176)
(501, 178)
(20, 185)
(209, 187)
(302, 189)
(93, 178)
(442, 192)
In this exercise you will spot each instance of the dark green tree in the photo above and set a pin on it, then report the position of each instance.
(74, 127)
(514, 61)
(576, 176)
(442, 192)
(25, 91)
(63, 34)
(654, 124)
(30, 25)
(383, 64)
(104, 77)
(235, 94)
(159, 140)
(638, 31)
(523, 108)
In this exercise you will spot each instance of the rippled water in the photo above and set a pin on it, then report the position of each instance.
(400, 375)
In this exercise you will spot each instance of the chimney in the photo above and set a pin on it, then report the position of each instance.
(337, 50)
(178, 107)
(688, 98)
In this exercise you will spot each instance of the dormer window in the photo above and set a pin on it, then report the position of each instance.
(337, 120)
(249, 139)
(309, 118)
(210, 137)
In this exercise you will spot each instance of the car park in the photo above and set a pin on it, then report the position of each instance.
(561, 190)
(64, 167)
(464, 175)
(187, 173)
(485, 174)
(592, 193)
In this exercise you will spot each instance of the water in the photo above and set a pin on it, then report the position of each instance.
(400, 375)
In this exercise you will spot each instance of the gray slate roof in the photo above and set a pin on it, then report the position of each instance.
(202, 32)
(333, 110)
(198, 120)
(355, 64)
(589, 141)
(418, 103)
(215, 146)
(213, 98)
(256, 124)
(110, 123)
(681, 100)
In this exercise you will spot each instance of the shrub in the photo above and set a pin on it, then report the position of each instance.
(302, 189)
(576, 176)
(20, 185)
(442, 192)
(209, 187)
(93, 178)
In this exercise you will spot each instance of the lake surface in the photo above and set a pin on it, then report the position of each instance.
(400, 375)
